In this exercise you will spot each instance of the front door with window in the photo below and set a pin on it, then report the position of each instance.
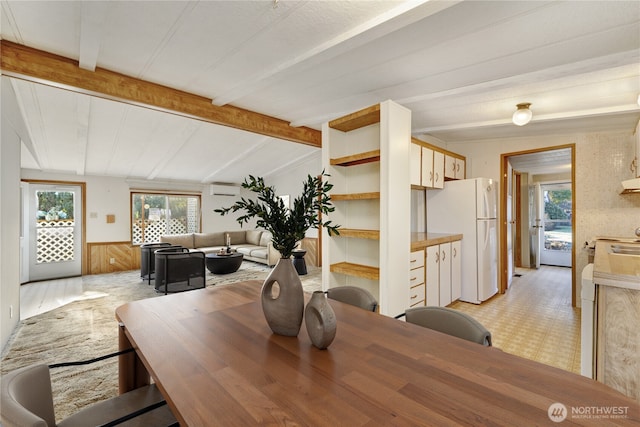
(556, 236)
(53, 232)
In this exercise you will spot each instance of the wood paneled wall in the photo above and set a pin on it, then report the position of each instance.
(125, 257)
(311, 246)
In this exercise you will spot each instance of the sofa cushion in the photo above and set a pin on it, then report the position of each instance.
(246, 249)
(261, 253)
(265, 239)
(184, 240)
(253, 237)
(206, 240)
(237, 237)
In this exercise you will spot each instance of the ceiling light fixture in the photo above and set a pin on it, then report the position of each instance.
(523, 114)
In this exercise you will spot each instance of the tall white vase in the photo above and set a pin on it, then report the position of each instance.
(283, 299)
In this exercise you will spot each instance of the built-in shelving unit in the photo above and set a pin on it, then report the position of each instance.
(359, 233)
(356, 196)
(371, 203)
(356, 270)
(357, 120)
(357, 159)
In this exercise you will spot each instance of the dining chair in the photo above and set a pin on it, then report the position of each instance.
(449, 321)
(27, 401)
(354, 296)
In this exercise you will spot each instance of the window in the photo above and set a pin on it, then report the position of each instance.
(557, 217)
(155, 214)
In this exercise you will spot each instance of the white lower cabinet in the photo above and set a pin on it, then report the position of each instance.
(416, 279)
(432, 274)
(443, 273)
(456, 270)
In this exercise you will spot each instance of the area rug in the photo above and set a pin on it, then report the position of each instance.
(87, 328)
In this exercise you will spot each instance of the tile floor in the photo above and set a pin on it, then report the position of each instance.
(534, 318)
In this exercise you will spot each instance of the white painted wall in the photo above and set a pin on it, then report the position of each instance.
(12, 128)
(602, 161)
(290, 182)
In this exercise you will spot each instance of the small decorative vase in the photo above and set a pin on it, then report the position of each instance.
(320, 320)
(284, 307)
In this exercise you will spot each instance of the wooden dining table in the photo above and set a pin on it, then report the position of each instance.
(216, 361)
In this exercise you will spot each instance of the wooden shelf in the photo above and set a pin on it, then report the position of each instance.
(357, 270)
(357, 159)
(359, 233)
(355, 196)
(359, 119)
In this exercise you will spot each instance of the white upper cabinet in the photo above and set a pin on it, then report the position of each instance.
(454, 167)
(438, 169)
(427, 167)
(415, 166)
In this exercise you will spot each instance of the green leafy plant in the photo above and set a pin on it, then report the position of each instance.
(287, 226)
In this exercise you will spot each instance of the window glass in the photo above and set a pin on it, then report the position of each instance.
(154, 215)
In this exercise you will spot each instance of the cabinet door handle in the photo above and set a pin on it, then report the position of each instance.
(444, 255)
(413, 278)
(455, 252)
(414, 297)
(414, 260)
(437, 177)
(457, 167)
(437, 257)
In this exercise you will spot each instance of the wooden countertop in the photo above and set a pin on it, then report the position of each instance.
(422, 240)
(619, 270)
(216, 361)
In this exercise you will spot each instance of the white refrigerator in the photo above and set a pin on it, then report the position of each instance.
(468, 206)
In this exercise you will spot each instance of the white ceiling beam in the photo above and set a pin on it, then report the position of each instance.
(569, 72)
(93, 17)
(400, 16)
(83, 113)
(548, 75)
(232, 164)
(578, 114)
(185, 136)
(290, 165)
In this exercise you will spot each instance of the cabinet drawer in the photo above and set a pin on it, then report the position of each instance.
(416, 277)
(416, 259)
(416, 295)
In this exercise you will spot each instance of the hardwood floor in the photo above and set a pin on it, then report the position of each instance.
(40, 297)
(534, 319)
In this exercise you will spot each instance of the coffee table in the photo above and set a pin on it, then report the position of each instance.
(224, 264)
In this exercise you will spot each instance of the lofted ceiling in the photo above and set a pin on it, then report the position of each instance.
(461, 67)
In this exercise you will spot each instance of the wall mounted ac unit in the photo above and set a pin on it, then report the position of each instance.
(224, 190)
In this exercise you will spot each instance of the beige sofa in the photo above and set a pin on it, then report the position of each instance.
(255, 245)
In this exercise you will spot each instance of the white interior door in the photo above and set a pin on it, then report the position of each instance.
(53, 231)
(509, 240)
(535, 225)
